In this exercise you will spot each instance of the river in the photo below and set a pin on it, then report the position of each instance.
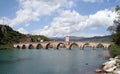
(51, 61)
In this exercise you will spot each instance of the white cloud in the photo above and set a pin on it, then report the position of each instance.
(66, 23)
(4, 20)
(93, 28)
(101, 18)
(27, 25)
(1, 21)
(33, 10)
(93, 1)
(70, 22)
(22, 30)
(70, 4)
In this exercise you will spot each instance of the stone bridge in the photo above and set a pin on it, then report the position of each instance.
(57, 44)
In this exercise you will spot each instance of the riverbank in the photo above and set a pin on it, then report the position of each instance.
(110, 67)
(6, 46)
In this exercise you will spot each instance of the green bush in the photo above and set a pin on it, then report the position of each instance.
(114, 50)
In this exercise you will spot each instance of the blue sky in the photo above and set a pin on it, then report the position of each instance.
(59, 17)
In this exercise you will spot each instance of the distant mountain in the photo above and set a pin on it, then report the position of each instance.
(57, 38)
(74, 38)
(98, 38)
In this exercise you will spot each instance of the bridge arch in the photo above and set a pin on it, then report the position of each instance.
(100, 45)
(18, 47)
(107, 46)
(58, 45)
(87, 45)
(23, 46)
(39, 46)
(47, 45)
(30, 46)
(72, 45)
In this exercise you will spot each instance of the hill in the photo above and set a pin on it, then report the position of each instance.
(10, 36)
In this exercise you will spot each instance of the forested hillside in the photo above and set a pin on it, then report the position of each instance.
(10, 36)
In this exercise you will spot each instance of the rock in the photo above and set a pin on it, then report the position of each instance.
(110, 69)
(118, 61)
(111, 59)
(110, 65)
(116, 57)
(117, 72)
(98, 70)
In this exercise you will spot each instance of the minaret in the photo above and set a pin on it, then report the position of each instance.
(67, 39)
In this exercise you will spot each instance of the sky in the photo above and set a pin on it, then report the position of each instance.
(59, 18)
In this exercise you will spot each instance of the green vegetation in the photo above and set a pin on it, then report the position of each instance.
(116, 35)
(8, 37)
(115, 30)
(114, 50)
(6, 46)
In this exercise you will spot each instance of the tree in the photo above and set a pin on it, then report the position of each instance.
(116, 34)
(111, 29)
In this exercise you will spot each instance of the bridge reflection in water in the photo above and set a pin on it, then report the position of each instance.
(57, 44)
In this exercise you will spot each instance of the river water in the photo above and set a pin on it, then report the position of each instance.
(51, 61)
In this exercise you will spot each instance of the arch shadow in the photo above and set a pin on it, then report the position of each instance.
(30, 46)
(18, 47)
(23, 47)
(48, 46)
(62, 45)
(39, 46)
(100, 45)
(73, 45)
(87, 45)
